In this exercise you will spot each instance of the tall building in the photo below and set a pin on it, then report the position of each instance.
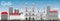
(47, 16)
(10, 10)
(4, 16)
(48, 8)
(16, 12)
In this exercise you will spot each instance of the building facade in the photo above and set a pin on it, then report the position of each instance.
(53, 14)
(4, 16)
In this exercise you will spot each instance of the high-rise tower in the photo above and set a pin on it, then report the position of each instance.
(48, 8)
(16, 11)
(10, 10)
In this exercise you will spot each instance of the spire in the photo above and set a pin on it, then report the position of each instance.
(38, 10)
(26, 7)
(33, 7)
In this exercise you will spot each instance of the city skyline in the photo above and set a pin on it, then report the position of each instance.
(20, 4)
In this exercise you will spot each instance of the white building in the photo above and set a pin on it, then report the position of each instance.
(31, 12)
(40, 14)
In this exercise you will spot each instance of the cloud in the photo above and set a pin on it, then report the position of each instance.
(3, 3)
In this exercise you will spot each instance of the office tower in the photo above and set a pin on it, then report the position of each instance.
(4, 16)
(10, 10)
(16, 12)
(15, 15)
(48, 8)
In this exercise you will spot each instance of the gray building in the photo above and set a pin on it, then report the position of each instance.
(16, 10)
(47, 14)
(10, 10)
(4, 16)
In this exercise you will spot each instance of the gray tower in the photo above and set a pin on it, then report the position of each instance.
(10, 10)
(48, 8)
(16, 11)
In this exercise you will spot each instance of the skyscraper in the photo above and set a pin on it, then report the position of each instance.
(10, 10)
(16, 12)
(48, 8)
(15, 15)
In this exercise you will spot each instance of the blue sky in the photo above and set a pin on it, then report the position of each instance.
(38, 4)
